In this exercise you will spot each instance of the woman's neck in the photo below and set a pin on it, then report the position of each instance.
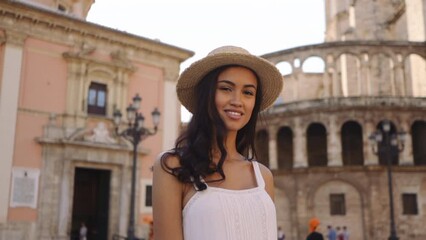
(230, 147)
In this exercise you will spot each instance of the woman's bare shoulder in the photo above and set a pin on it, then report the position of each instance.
(165, 161)
(269, 180)
(163, 171)
(266, 172)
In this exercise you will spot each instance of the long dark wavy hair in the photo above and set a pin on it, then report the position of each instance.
(206, 129)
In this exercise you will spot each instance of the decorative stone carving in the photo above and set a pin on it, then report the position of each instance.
(80, 50)
(120, 57)
(100, 135)
(15, 38)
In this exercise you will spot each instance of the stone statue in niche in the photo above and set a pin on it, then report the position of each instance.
(100, 134)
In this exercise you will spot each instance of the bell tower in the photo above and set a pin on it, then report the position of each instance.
(75, 8)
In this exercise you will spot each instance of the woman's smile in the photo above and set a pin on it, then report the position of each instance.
(234, 114)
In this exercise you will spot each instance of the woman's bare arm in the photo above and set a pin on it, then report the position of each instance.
(167, 203)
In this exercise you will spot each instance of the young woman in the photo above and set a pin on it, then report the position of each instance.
(209, 187)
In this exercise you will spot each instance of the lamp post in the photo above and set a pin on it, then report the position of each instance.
(134, 133)
(390, 144)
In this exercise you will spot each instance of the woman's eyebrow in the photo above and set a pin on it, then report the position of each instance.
(233, 84)
(250, 85)
(226, 81)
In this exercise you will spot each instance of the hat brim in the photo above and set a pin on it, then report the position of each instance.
(269, 76)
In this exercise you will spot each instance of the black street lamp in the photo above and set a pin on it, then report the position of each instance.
(134, 133)
(388, 144)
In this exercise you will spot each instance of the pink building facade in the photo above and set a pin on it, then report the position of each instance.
(61, 78)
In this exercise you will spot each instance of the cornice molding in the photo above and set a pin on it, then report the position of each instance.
(347, 104)
(65, 29)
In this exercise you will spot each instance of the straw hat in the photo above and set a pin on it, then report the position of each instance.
(269, 76)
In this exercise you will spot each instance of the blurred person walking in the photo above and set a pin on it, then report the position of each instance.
(313, 230)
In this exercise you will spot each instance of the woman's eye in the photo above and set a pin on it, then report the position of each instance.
(251, 93)
(225, 89)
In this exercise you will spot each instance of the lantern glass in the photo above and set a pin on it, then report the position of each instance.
(386, 126)
(402, 136)
(131, 113)
(156, 117)
(117, 117)
(140, 119)
(379, 137)
(137, 101)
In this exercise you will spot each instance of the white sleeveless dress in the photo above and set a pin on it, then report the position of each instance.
(223, 214)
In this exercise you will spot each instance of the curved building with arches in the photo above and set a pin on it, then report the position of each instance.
(316, 137)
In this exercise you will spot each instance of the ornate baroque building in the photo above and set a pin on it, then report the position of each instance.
(317, 135)
(61, 78)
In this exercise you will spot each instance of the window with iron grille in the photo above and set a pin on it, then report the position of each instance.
(96, 101)
(337, 204)
(409, 204)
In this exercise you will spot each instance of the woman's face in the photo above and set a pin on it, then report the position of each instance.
(235, 96)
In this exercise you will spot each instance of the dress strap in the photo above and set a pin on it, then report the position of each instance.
(203, 185)
(258, 175)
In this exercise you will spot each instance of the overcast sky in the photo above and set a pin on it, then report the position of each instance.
(260, 26)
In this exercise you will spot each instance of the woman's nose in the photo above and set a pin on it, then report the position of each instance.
(236, 100)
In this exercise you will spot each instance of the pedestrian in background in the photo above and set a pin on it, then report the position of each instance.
(313, 227)
(281, 235)
(210, 186)
(345, 233)
(331, 235)
(340, 235)
(83, 231)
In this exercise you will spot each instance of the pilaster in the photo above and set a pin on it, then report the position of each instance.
(400, 88)
(273, 156)
(300, 158)
(365, 78)
(406, 156)
(170, 131)
(9, 95)
(369, 156)
(334, 150)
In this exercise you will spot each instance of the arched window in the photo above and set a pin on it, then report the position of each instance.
(418, 134)
(382, 155)
(285, 148)
(352, 146)
(317, 145)
(96, 101)
(262, 147)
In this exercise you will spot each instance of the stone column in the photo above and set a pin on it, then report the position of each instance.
(273, 158)
(295, 78)
(369, 157)
(9, 95)
(334, 145)
(336, 82)
(300, 157)
(400, 88)
(326, 82)
(406, 156)
(365, 79)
